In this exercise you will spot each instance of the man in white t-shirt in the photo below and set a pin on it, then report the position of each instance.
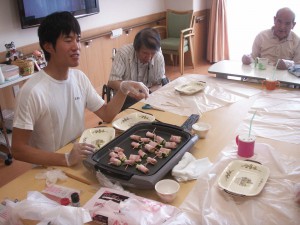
(50, 106)
(279, 43)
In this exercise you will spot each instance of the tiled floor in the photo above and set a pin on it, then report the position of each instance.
(8, 173)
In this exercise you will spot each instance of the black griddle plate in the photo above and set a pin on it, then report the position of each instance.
(129, 175)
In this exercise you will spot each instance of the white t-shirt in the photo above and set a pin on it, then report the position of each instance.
(54, 109)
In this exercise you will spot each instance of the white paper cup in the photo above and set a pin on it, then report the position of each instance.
(201, 129)
(167, 190)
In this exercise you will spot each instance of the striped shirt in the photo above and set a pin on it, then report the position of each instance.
(126, 66)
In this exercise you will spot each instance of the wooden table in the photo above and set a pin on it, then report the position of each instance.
(18, 188)
(227, 68)
(224, 122)
(218, 137)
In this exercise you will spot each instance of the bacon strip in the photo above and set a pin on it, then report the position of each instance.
(175, 138)
(154, 144)
(145, 140)
(122, 156)
(113, 154)
(135, 145)
(150, 134)
(165, 151)
(118, 149)
(159, 140)
(142, 154)
(129, 162)
(142, 168)
(115, 161)
(170, 144)
(135, 137)
(151, 160)
(150, 148)
(136, 158)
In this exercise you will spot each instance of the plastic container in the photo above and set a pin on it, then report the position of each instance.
(26, 67)
(201, 129)
(75, 200)
(10, 72)
(2, 79)
(167, 190)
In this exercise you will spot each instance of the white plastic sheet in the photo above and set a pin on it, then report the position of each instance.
(40, 208)
(277, 116)
(276, 204)
(218, 93)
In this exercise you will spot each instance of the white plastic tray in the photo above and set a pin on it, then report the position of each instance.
(98, 136)
(128, 121)
(191, 88)
(246, 178)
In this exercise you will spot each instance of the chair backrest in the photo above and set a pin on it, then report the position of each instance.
(177, 21)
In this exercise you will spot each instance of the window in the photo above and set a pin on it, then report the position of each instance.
(246, 18)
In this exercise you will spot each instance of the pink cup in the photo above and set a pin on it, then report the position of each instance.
(245, 145)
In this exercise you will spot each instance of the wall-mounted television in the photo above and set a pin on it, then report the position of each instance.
(32, 12)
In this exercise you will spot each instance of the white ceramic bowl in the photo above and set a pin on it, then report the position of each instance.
(167, 190)
(201, 129)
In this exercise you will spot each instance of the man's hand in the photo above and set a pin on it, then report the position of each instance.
(135, 89)
(79, 152)
(281, 65)
(284, 64)
(246, 59)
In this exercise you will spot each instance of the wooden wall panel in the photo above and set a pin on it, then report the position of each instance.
(96, 59)
(200, 40)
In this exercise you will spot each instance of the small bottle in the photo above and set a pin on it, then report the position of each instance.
(75, 201)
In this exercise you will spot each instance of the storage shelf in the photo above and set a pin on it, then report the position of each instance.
(13, 81)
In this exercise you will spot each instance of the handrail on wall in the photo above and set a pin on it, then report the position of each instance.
(88, 40)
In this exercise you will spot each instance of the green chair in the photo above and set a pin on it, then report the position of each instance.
(179, 33)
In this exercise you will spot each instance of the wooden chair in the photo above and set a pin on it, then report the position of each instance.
(179, 33)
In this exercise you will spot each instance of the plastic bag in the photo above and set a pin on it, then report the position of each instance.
(147, 212)
(7, 215)
(110, 206)
(105, 182)
(295, 70)
(51, 176)
(38, 207)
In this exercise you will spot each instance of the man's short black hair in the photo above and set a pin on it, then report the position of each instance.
(147, 37)
(54, 25)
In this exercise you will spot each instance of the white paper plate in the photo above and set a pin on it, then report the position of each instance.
(128, 121)
(191, 87)
(98, 136)
(244, 178)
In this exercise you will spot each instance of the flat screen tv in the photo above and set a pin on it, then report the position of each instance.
(32, 12)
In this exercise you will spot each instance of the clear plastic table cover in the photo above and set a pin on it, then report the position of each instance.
(277, 116)
(218, 93)
(276, 203)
